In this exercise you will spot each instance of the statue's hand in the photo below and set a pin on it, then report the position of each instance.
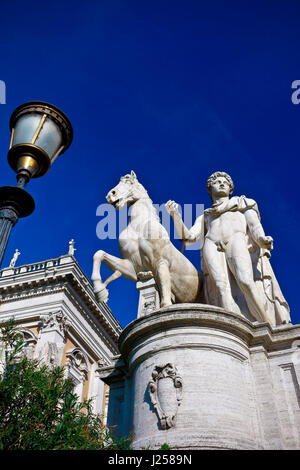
(172, 208)
(266, 242)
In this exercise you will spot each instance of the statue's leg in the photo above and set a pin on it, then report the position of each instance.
(121, 267)
(216, 265)
(240, 264)
(163, 280)
(111, 278)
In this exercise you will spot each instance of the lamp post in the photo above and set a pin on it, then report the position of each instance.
(40, 132)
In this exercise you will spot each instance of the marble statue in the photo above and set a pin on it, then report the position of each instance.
(146, 250)
(235, 254)
(14, 258)
(71, 247)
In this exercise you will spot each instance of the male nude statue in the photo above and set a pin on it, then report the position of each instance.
(234, 248)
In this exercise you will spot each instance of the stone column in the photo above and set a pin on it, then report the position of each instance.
(97, 387)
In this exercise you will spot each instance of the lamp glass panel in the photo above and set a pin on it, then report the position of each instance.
(49, 138)
(25, 128)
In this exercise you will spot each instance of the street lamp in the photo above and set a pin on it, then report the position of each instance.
(40, 132)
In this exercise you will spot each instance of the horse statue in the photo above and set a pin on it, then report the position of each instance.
(146, 250)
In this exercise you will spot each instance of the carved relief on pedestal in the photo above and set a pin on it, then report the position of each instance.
(165, 391)
(149, 297)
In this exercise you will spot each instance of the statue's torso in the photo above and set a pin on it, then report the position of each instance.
(221, 228)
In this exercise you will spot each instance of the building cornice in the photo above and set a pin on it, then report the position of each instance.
(56, 275)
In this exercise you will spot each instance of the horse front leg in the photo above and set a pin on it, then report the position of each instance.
(120, 267)
(100, 290)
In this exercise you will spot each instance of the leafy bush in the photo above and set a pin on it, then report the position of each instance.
(38, 409)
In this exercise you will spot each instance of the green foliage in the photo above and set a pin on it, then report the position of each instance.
(165, 446)
(38, 409)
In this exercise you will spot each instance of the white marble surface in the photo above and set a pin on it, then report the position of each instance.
(146, 250)
(240, 380)
(235, 254)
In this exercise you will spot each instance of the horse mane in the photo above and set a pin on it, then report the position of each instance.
(145, 195)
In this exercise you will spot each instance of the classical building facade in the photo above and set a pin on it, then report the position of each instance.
(193, 376)
(56, 312)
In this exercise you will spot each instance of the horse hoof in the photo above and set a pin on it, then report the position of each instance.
(102, 295)
(144, 275)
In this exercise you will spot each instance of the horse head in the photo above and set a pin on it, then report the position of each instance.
(127, 192)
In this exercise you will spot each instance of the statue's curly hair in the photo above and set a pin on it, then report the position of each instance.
(216, 175)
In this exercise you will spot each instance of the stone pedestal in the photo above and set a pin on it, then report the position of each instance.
(198, 377)
(149, 297)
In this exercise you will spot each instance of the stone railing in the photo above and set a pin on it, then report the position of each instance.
(15, 275)
(13, 270)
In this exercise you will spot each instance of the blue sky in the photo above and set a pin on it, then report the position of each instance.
(173, 90)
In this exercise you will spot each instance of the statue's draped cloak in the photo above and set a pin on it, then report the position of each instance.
(264, 277)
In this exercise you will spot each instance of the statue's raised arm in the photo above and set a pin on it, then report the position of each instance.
(188, 236)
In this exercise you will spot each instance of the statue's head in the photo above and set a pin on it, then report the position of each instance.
(127, 192)
(222, 180)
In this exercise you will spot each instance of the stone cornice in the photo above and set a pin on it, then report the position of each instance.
(200, 315)
(70, 293)
(114, 372)
(56, 275)
(104, 333)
